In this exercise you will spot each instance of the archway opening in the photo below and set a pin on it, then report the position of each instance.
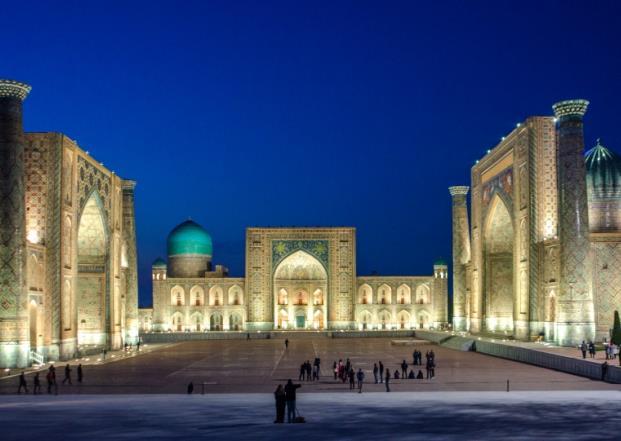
(90, 289)
(498, 261)
(300, 284)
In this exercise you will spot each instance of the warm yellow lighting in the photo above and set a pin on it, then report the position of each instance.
(33, 236)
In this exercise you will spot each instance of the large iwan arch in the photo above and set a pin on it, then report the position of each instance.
(299, 275)
(92, 307)
(498, 289)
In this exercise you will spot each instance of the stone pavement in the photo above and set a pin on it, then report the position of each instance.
(227, 366)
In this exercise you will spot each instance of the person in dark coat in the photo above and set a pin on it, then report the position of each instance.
(22, 383)
(281, 403)
(411, 375)
(375, 372)
(381, 372)
(286, 343)
(583, 348)
(387, 380)
(360, 377)
(404, 369)
(67, 374)
(290, 398)
(37, 384)
(302, 371)
(190, 388)
(80, 373)
(419, 376)
(604, 370)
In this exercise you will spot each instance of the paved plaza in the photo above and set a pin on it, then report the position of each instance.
(238, 366)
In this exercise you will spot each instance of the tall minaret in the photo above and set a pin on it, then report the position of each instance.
(129, 239)
(461, 254)
(575, 318)
(14, 330)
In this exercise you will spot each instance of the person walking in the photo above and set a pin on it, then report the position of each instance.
(387, 380)
(22, 383)
(286, 343)
(583, 349)
(37, 384)
(138, 344)
(604, 370)
(67, 374)
(281, 403)
(80, 373)
(381, 372)
(360, 376)
(592, 349)
(404, 369)
(352, 378)
(375, 372)
(290, 389)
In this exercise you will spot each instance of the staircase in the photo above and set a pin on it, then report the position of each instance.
(36, 357)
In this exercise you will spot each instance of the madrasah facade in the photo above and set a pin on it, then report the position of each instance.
(296, 279)
(537, 256)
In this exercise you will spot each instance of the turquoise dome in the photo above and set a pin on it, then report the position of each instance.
(189, 238)
(440, 262)
(159, 263)
(603, 169)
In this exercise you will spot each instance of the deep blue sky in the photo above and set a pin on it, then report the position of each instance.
(306, 113)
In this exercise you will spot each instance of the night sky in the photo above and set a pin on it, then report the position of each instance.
(296, 113)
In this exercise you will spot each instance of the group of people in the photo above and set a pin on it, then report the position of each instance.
(50, 377)
(310, 372)
(285, 398)
(345, 372)
(611, 350)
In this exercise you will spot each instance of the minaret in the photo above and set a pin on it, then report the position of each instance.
(129, 238)
(461, 254)
(575, 318)
(14, 330)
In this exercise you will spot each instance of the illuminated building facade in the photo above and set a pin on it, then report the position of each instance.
(541, 257)
(296, 278)
(68, 281)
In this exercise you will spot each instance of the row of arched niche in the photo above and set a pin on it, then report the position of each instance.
(384, 295)
(216, 297)
(198, 322)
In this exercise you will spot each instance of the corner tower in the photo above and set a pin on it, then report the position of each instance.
(14, 331)
(575, 320)
(461, 254)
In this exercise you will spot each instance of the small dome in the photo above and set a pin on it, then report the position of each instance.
(439, 262)
(189, 238)
(158, 263)
(603, 169)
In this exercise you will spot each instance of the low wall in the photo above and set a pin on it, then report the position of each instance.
(575, 366)
(175, 337)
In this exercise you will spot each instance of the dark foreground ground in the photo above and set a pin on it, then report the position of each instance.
(428, 416)
(238, 366)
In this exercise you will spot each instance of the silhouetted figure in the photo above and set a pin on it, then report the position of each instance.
(286, 343)
(381, 372)
(352, 378)
(290, 397)
(604, 370)
(190, 388)
(138, 346)
(387, 380)
(37, 384)
(67, 374)
(22, 383)
(411, 375)
(80, 373)
(583, 349)
(419, 376)
(375, 372)
(281, 402)
(404, 369)
(335, 369)
(360, 377)
(248, 338)
(302, 371)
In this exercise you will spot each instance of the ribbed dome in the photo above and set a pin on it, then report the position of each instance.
(189, 238)
(440, 262)
(158, 263)
(603, 169)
